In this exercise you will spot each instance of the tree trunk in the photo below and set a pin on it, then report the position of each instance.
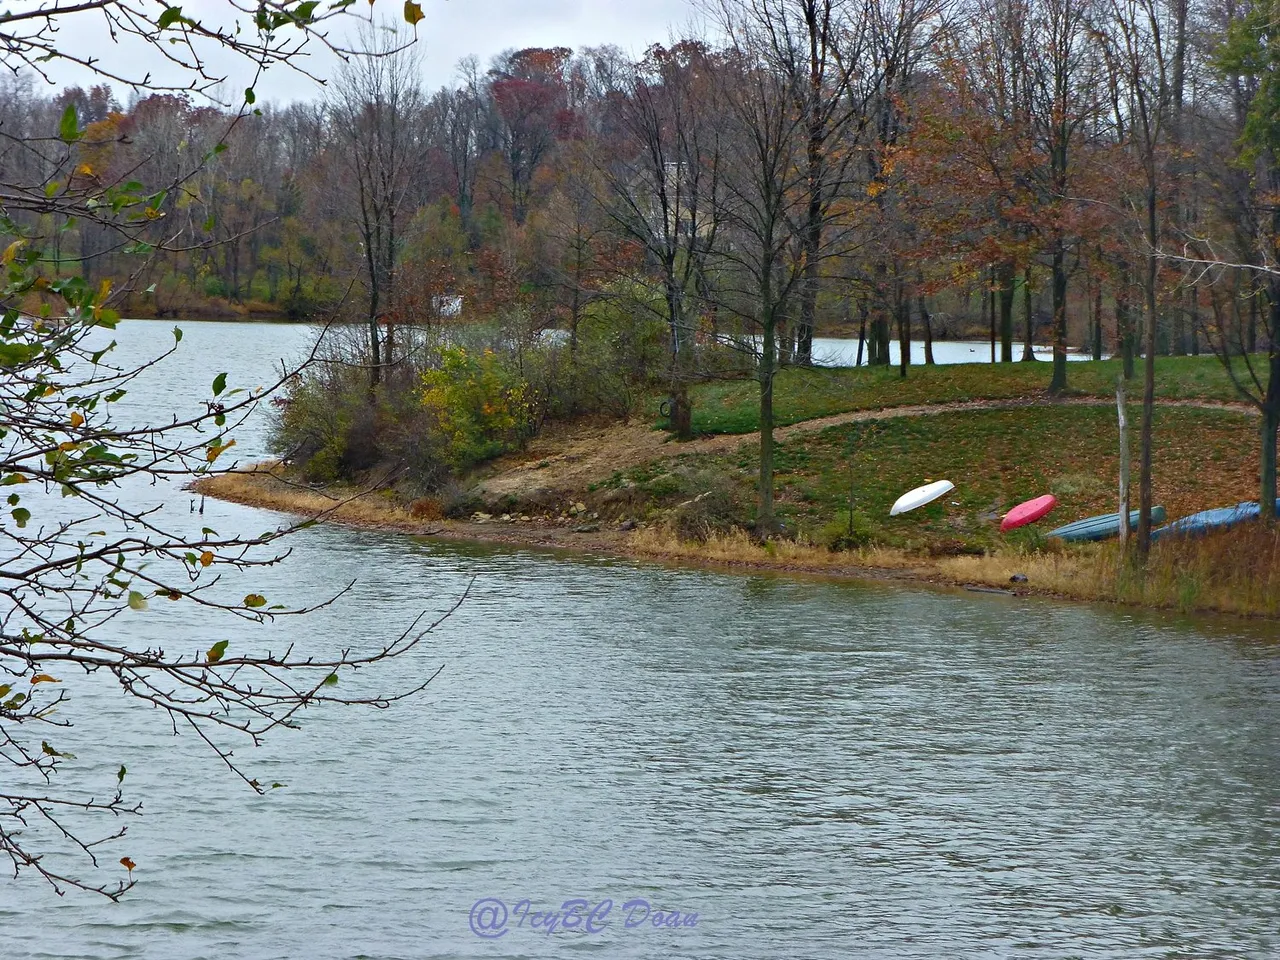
(902, 307)
(809, 282)
(1027, 352)
(765, 523)
(879, 355)
(1123, 412)
(1253, 317)
(1058, 383)
(1195, 322)
(1008, 270)
(1271, 413)
(1148, 398)
(928, 331)
(681, 419)
(1097, 322)
(991, 312)
(1270, 421)
(862, 330)
(1124, 325)
(375, 337)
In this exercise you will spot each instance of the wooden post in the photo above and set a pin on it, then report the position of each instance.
(1124, 462)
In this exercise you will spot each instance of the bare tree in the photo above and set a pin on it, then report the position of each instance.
(765, 204)
(1138, 43)
(376, 115)
(665, 190)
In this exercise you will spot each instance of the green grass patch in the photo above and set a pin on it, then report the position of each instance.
(807, 393)
(996, 459)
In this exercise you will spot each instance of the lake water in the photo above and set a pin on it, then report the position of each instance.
(815, 769)
(843, 352)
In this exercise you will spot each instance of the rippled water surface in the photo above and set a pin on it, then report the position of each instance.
(815, 769)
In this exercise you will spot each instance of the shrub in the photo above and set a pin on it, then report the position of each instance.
(707, 513)
(847, 531)
(479, 408)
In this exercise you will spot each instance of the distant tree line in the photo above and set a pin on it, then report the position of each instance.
(807, 161)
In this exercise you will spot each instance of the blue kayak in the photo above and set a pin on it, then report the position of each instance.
(1101, 527)
(1224, 518)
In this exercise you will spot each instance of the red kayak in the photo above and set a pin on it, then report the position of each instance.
(1028, 512)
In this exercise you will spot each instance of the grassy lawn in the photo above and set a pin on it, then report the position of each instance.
(998, 458)
(806, 393)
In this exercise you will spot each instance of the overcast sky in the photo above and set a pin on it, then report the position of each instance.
(456, 28)
(451, 30)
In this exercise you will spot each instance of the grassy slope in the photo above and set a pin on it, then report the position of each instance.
(996, 459)
(803, 394)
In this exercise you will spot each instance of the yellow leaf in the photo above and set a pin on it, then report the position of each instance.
(85, 170)
(412, 12)
(66, 447)
(44, 678)
(11, 251)
(206, 558)
(215, 451)
(77, 419)
(104, 290)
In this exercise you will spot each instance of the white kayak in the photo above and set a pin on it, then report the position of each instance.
(920, 496)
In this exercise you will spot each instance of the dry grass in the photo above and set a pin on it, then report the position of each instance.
(1234, 572)
(266, 486)
(1237, 572)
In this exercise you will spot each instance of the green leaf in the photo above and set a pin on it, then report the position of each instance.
(4, 689)
(177, 334)
(255, 600)
(216, 651)
(69, 127)
(412, 12)
(120, 775)
(170, 16)
(21, 516)
(219, 383)
(249, 95)
(137, 601)
(331, 680)
(304, 11)
(50, 752)
(276, 786)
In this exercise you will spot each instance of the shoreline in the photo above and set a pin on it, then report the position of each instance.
(1064, 576)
